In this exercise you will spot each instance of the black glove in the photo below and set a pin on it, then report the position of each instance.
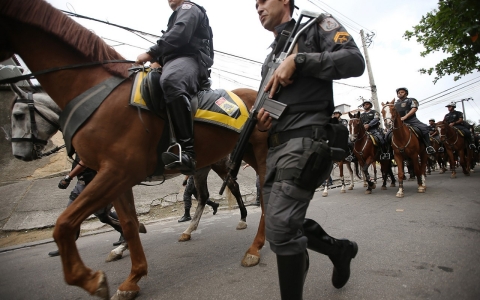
(64, 183)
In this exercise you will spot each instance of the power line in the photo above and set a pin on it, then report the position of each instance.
(449, 89)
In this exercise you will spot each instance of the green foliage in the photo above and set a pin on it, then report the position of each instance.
(454, 29)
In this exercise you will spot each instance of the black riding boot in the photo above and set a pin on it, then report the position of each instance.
(426, 140)
(340, 252)
(472, 142)
(291, 275)
(186, 216)
(181, 118)
(213, 205)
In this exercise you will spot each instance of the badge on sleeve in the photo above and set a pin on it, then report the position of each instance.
(329, 24)
(186, 6)
(341, 37)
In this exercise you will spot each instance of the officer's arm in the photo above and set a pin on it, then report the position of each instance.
(339, 56)
(410, 113)
(180, 34)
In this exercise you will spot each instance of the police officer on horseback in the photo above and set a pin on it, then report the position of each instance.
(433, 132)
(455, 118)
(371, 121)
(407, 107)
(185, 52)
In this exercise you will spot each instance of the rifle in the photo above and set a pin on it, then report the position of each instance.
(274, 108)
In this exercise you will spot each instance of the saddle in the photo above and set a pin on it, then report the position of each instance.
(415, 130)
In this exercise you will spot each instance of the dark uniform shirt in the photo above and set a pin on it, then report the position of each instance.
(433, 130)
(331, 53)
(188, 34)
(453, 116)
(371, 118)
(404, 106)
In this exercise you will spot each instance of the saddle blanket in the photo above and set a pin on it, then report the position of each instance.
(219, 107)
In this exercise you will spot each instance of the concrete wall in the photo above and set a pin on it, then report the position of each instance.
(12, 169)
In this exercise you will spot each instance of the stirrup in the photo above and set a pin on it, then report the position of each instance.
(430, 150)
(441, 150)
(349, 158)
(169, 160)
(472, 146)
(385, 156)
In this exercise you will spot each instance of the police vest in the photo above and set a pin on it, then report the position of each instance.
(403, 107)
(453, 116)
(367, 117)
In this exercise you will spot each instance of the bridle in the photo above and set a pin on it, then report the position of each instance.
(445, 135)
(38, 144)
(356, 138)
(401, 149)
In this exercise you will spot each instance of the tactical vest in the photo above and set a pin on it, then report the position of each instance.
(202, 40)
(367, 117)
(403, 107)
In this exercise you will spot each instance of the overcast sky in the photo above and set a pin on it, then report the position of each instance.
(395, 61)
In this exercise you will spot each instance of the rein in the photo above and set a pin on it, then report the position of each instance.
(76, 66)
(447, 138)
(402, 149)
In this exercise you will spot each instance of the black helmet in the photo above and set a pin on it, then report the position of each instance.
(402, 88)
(453, 104)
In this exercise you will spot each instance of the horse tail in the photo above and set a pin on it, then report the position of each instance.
(232, 201)
(355, 163)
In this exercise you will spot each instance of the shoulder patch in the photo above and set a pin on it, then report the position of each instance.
(186, 6)
(329, 24)
(341, 37)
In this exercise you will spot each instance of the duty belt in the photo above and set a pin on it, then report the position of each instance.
(279, 138)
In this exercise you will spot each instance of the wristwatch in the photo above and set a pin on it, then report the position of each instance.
(300, 59)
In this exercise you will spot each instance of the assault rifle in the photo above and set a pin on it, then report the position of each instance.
(274, 108)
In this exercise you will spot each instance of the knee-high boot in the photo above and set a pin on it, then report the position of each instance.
(214, 205)
(291, 275)
(182, 121)
(340, 252)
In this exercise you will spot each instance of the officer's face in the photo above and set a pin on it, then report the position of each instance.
(175, 3)
(336, 115)
(401, 94)
(450, 108)
(431, 122)
(272, 13)
(367, 106)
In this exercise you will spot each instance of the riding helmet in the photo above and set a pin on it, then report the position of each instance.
(337, 111)
(432, 119)
(402, 88)
(367, 101)
(453, 104)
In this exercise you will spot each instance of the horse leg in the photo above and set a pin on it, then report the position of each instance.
(420, 169)
(371, 185)
(392, 176)
(349, 167)
(342, 178)
(117, 253)
(221, 169)
(401, 174)
(463, 162)
(383, 169)
(325, 189)
(200, 180)
(451, 161)
(125, 208)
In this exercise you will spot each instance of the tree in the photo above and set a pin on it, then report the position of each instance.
(454, 29)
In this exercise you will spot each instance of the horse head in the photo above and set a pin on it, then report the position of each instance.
(34, 122)
(389, 113)
(356, 126)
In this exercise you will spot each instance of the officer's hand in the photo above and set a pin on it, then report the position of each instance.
(143, 58)
(451, 124)
(155, 65)
(264, 121)
(366, 126)
(64, 183)
(282, 75)
(402, 118)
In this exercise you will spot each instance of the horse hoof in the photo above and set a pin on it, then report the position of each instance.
(250, 260)
(184, 237)
(343, 191)
(367, 192)
(399, 195)
(241, 225)
(112, 256)
(324, 194)
(453, 176)
(124, 295)
(350, 188)
(365, 185)
(102, 290)
(441, 172)
(142, 228)
(421, 190)
(384, 188)
(392, 185)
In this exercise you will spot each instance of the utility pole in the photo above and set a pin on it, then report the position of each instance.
(463, 107)
(373, 87)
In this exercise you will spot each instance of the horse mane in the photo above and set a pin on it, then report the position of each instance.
(44, 16)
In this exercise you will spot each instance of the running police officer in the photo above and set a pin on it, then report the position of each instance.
(185, 52)
(371, 121)
(455, 118)
(306, 80)
(407, 107)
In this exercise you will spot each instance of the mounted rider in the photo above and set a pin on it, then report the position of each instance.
(371, 121)
(185, 52)
(433, 132)
(407, 107)
(337, 114)
(455, 118)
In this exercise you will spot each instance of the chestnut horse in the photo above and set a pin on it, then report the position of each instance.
(455, 142)
(367, 154)
(405, 145)
(116, 140)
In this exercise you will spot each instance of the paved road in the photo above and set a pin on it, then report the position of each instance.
(424, 246)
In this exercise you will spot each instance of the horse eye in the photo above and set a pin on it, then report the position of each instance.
(19, 117)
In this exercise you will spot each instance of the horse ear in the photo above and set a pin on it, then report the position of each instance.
(18, 91)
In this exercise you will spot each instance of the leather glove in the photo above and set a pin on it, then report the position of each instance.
(64, 183)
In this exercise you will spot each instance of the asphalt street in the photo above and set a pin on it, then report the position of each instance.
(422, 246)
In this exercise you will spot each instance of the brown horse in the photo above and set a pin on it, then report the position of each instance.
(405, 145)
(117, 140)
(439, 158)
(455, 142)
